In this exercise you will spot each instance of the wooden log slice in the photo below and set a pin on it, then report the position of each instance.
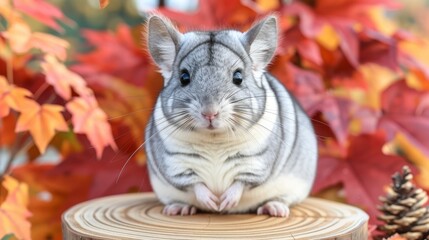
(138, 216)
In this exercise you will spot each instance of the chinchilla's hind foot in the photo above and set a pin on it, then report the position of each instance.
(274, 209)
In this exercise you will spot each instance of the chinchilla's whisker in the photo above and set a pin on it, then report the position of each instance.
(259, 124)
(140, 110)
(135, 151)
(275, 122)
(146, 140)
(244, 131)
(246, 108)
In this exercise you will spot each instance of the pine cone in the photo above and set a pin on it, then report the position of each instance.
(403, 210)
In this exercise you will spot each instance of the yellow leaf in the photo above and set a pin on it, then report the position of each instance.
(61, 78)
(415, 155)
(89, 119)
(50, 44)
(383, 24)
(13, 211)
(41, 121)
(417, 79)
(19, 35)
(11, 97)
(21, 39)
(377, 78)
(268, 5)
(418, 49)
(7, 11)
(328, 38)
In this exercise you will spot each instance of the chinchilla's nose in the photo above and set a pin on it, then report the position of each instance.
(210, 115)
(210, 112)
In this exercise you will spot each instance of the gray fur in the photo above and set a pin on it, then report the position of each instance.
(182, 152)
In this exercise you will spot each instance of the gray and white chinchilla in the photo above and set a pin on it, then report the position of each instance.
(225, 135)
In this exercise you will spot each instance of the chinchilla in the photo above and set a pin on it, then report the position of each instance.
(225, 135)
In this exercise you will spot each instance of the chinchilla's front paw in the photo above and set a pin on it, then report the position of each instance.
(231, 197)
(206, 197)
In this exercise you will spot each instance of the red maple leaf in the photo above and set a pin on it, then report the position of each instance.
(337, 112)
(306, 47)
(363, 172)
(53, 193)
(233, 13)
(43, 12)
(340, 15)
(379, 49)
(406, 111)
(115, 54)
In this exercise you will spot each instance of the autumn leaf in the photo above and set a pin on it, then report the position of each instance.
(50, 44)
(90, 120)
(8, 12)
(62, 79)
(233, 13)
(117, 47)
(7, 130)
(91, 178)
(13, 211)
(307, 48)
(22, 39)
(414, 55)
(267, 5)
(41, 121)
(401, 145)
(129, 109)
(379, 49)
(104, 3)
(308, 87)
(377, 79)
(42, 11)
(51, 194)
(405, 111)
(363, 172)
(329, 19)
(11, 97)
(106, 172)
(328, 38)
(19, 35)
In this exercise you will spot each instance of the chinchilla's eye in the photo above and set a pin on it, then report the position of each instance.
(185, 78)
(237, 78)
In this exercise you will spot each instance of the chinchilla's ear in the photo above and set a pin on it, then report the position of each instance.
(163, 40)
(261, 41)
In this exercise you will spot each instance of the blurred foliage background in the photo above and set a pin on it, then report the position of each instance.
(357, 79)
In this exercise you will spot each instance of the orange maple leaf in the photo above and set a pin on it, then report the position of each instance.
(89, 119)
(11, 97)
(13, 211)
(21, 39)
(41, 121)
(61, 78)
(42, 11)
(104, 3)
(19, 35)
(50, 44)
